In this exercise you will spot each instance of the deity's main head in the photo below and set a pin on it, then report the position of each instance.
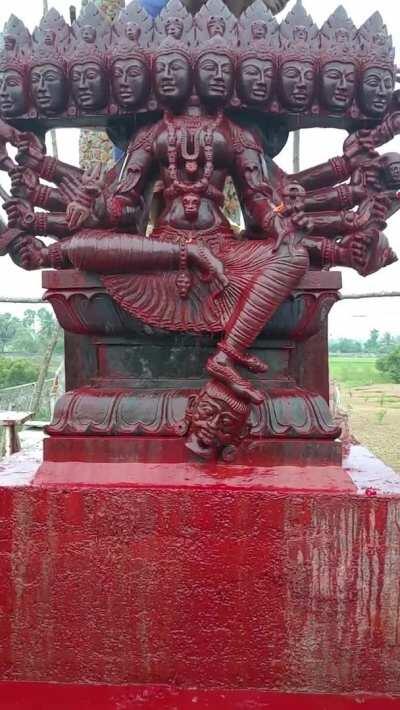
(218, 418)
(256, 73)
(258, 35)
(214, 72)
(338, 62)
(298, 60)
(172, 73)
(130, 76)
(297, 79)
(88, 76)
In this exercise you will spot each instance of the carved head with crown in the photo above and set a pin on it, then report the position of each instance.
(377, 67)
(215, 56)
(129, 58)
(48, 68)
(257, 55)
(14, 95)
(87, 60)
(338, 62)
(298, 60)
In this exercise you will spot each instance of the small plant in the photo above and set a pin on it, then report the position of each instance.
(380, 415)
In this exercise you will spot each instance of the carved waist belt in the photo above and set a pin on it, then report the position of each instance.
(211, 236)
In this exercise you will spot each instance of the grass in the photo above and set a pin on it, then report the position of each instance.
(372, 403)
(355, 371)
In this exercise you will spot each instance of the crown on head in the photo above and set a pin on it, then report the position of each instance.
(131, 35)
(174, 22)
(216, 30)
(258, 33)
(91, 37)
(50, 41)
(376, 44)
(133, 27)
(299, 36)
(338, 37)
(15, 36)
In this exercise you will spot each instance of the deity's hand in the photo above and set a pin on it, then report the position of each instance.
(28, 252)
(30, 151)
(69, 187)
(93, 180)
(366, 177)
(20, 213)
(359, 147)
(354, 249)
(80, 209)
(77, 214)
(293, 199)
(24, 180)
(6, 163)
(8, 134)
(209, 266)
(301, 220)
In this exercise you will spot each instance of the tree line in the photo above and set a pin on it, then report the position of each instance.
(376, 344)
(22, 343)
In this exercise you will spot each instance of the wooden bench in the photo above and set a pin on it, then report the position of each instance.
(10, 420)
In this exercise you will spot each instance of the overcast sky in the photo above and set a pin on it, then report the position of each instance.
(349, 318)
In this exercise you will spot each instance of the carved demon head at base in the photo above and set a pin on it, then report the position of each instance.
(218, 419)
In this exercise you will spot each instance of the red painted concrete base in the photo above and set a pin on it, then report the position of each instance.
(42, 696)
(279, 580)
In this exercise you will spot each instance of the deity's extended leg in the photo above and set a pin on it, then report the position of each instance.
(270, 286)
(115, 253)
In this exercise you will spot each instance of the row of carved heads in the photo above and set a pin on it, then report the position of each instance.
(95, 66)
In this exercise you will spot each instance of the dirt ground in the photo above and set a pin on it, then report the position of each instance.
(374, 415)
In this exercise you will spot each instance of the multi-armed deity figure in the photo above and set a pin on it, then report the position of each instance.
(192, 272)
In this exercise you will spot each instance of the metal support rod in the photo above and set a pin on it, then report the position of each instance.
(296, 151)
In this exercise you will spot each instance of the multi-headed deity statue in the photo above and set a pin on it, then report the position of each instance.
(189, 270)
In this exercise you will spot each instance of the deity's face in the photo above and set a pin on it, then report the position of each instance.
(48, 88)
(49, 38)
(300, 33)
(9, 42)
(174, 27)
(89, 86)
(216, 26)
(258, 29)
(376, 91)
(173, 78)
(130, 81)
(338, 85)
(391, 170)
(380, 39)
(341, 35)
(88, 34)
(191, 205)
(296, 85)
(13, 94)
(133, 31)
(255, 79)
(214, 423)
(214, 77)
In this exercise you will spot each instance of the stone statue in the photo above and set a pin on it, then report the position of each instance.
(191, 273)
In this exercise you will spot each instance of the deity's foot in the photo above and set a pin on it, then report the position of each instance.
(251, 362)
(221, 367)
